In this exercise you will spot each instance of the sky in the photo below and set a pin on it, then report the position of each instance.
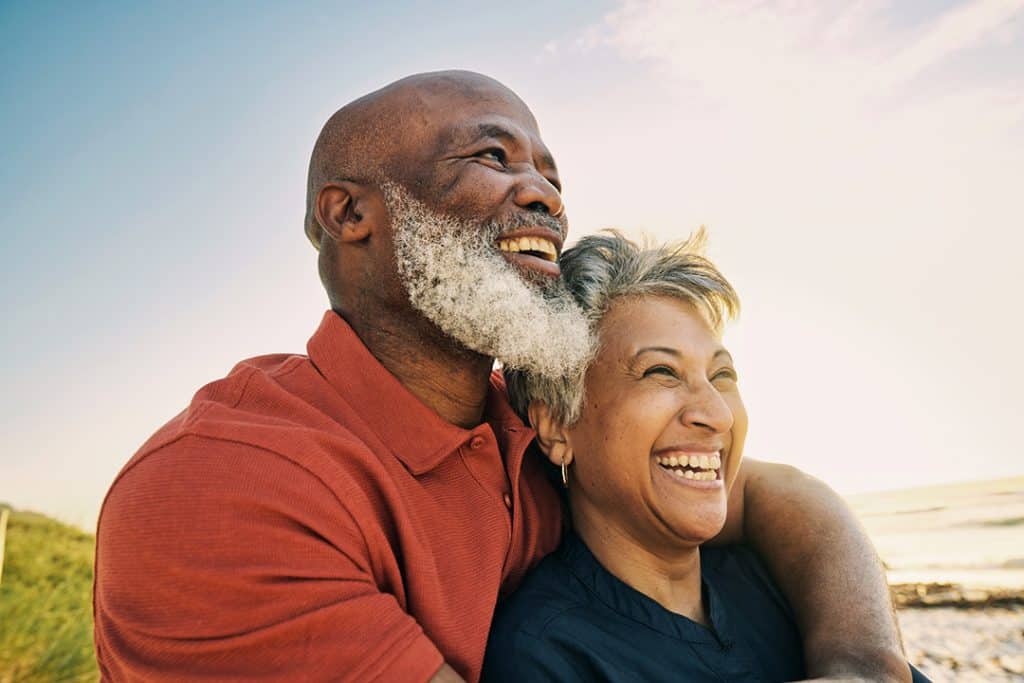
(859, 166)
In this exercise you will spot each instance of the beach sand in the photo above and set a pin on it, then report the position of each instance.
(957, 634)
(965, 644)
(955, 560)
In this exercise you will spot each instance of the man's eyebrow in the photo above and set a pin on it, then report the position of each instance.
(493, 130)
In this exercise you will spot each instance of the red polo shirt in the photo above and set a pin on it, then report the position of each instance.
(307, 518)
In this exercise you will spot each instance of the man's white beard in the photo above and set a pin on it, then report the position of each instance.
(457, 278)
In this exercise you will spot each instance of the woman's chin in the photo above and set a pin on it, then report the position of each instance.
(697, 530)
(695, 510)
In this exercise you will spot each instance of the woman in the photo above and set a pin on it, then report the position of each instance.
(648, 444)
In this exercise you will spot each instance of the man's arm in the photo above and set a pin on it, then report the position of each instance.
(221, 561)
(825, 565)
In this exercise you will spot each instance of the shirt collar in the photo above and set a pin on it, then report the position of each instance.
(416, 435)
(631, 603)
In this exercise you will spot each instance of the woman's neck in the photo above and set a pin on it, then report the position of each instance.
(669, 576)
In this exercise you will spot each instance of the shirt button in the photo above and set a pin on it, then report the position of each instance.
(508, 501)
(476, 442)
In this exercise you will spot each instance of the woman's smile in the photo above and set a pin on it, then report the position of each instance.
(694, 468)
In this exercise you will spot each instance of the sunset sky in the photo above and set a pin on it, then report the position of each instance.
(859, 165)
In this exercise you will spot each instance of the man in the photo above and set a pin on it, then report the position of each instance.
(357, 513)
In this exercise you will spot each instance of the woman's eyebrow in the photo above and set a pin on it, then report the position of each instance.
(660, 349)
(721, 353)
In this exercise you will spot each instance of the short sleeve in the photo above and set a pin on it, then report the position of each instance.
(221, 561)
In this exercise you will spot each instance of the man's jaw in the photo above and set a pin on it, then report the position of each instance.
(460, 279)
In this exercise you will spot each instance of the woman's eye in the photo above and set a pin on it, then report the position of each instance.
(725, 374)
(662, 370)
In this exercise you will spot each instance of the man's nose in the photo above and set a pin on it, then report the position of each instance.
(707, 410)
(536, 193)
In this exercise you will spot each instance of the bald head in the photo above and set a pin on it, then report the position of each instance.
(375, 137)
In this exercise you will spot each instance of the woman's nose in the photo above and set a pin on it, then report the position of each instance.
(708, 410)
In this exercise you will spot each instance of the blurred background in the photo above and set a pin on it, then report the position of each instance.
(859, 166)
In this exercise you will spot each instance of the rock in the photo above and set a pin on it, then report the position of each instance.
(1012, 663)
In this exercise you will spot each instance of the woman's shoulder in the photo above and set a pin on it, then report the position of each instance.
(549, 594)
(526, 638)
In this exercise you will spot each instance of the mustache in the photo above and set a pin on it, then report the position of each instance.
(530, 219)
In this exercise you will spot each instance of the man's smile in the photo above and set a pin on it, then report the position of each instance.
(541, 247)
(534, 249)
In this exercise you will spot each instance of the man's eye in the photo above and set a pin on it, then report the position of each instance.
(662, 370)
(494, 154)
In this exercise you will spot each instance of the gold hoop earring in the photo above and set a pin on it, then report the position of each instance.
(565, 473)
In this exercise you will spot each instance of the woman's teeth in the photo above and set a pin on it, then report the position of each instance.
(699, 467)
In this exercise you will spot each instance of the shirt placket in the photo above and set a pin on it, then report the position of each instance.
(483, 459)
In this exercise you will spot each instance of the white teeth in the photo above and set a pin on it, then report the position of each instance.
(701, 467)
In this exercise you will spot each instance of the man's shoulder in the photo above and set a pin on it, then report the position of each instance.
(273, 405)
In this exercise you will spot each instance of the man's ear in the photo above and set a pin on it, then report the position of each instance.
(552, 435)
(346, 211)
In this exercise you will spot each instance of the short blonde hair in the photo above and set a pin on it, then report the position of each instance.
(602, 268)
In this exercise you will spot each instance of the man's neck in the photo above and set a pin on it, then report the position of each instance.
(451, 381)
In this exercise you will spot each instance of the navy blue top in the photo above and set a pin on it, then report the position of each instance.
(572, 620)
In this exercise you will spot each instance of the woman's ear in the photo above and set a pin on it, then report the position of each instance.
(552, 435)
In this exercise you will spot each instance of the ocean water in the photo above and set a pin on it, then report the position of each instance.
(970, 533)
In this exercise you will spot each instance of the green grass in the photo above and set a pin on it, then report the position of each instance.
(46, 602)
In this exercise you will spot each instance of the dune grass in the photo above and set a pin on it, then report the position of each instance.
(46, 602)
